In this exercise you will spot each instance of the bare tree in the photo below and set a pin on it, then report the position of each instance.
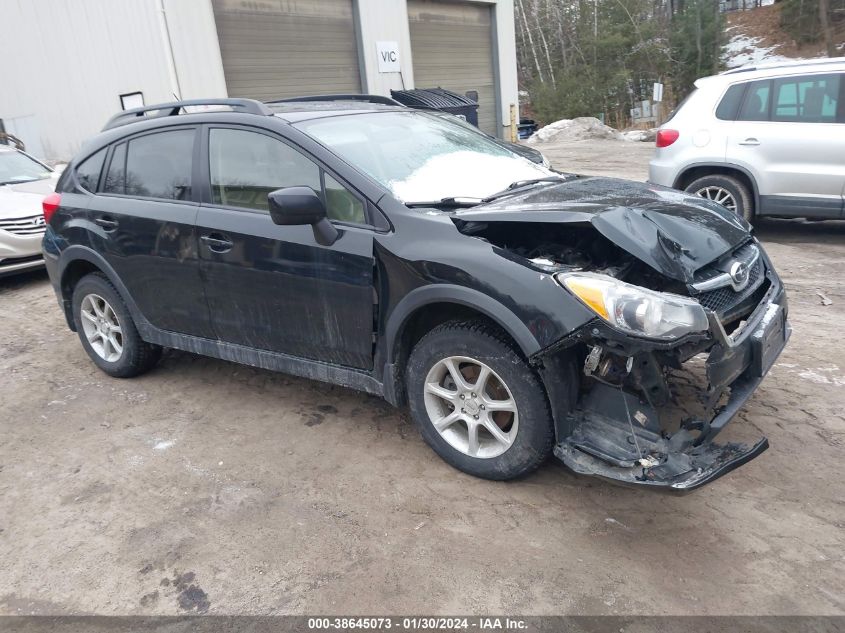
(824, 23)
(520, 9)
(543, 41)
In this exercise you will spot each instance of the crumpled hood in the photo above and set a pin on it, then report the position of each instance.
(24, 199)
(673, 232)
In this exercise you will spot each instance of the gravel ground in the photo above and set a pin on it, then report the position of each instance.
(206, 486)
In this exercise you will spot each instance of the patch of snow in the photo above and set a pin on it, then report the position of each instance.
(613, 521)
(163, 445)
(742, 50)
(578, 129)
(640, 136)
(817, 378)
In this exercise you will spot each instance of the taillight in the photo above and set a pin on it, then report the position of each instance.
(50, 204)
(666, 137)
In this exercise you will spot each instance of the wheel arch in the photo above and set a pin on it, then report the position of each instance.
(699, 170)
(76, 262)
(425, 308)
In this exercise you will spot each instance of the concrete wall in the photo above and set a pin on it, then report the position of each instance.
(64, 63)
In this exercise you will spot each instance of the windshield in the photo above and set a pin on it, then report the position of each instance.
(17, 167)
(422, 157)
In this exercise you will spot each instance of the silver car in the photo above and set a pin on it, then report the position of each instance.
(762, 141)
(24, 182)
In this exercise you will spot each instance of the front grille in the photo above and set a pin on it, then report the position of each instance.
(14, 261)
(724, 300)
(721, 299)
(30, 225)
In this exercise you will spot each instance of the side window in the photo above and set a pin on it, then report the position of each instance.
(729, 105)
(341, 204)
(153, 166)
(755, 107)
(246, 166)
(88, 172)
(808, 99)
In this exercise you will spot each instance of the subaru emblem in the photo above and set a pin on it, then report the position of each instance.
(739, 275)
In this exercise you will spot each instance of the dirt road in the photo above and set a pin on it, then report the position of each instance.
(206, 486)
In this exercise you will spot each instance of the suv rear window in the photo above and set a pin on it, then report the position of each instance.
(728, 107)
(154, 166)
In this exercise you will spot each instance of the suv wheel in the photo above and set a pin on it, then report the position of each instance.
(727, 191)
(477, 403)
(107, 331)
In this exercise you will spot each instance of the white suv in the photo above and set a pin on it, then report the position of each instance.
(763, 141)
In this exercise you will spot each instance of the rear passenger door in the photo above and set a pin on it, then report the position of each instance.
(144, 222)
(790, 133)
(274, 287)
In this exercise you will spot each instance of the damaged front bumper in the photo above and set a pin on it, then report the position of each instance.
(619, 436)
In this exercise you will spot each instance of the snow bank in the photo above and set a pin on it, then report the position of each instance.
(586, 128)
(579, 129)
(640, 136)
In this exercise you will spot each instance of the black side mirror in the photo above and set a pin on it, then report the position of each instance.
(295, 205)
(301, 205)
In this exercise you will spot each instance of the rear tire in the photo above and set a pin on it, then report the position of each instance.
(497, 393)
(725, 190)
(107, 331)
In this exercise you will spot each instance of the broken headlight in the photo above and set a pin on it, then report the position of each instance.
(636, 310)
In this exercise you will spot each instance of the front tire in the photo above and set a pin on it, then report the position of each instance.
(477, 402)
(107, 331)
(724, 190)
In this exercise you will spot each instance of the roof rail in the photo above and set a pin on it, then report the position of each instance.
(248, 106)
(341, 97)
(786, 64)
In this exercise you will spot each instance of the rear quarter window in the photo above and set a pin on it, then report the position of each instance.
(88, 172)
(728, 107)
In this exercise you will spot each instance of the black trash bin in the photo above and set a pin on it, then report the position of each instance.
(439, 99)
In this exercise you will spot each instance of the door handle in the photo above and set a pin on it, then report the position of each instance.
(107, 222)
(217, 242)
(750, 141)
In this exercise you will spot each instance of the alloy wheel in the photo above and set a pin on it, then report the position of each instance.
(471, 407)
(719, 195)
(102, 328)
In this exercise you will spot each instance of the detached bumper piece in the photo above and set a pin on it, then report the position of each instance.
(617, 436)
(604, 444)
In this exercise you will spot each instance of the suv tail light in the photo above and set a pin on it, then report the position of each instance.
(49, 205)
(666, 137)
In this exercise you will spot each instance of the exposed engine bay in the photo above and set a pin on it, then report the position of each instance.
(567, 248)
(636, 420)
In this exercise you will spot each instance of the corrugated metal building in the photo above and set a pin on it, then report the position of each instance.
(67, 65)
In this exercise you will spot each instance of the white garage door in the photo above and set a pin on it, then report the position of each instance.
(452, 48)
(287, 48)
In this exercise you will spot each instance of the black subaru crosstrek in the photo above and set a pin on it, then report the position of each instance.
(517, 311)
